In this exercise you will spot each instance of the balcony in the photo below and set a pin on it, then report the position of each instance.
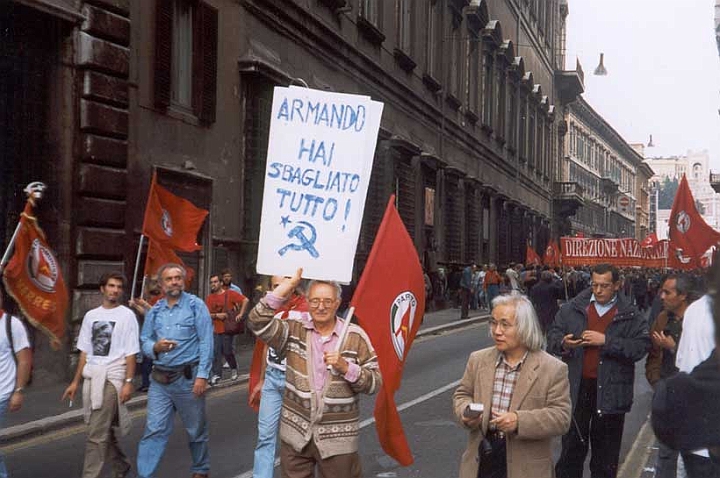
(715, 181)
(570, 83)
(609, 185)
(568, 198)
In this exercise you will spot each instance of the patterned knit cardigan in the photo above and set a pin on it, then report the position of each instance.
(335, 428)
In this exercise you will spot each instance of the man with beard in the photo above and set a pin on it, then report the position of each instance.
(224, 304)
(178, 336)
(108, 343)
(227, 281)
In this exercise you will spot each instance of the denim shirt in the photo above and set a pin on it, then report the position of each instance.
(188, 323)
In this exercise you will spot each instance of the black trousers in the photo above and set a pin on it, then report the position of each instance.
(700, 466)
(601, 433)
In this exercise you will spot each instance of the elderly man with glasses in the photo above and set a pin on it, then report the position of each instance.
(319, 426)
(600, 335)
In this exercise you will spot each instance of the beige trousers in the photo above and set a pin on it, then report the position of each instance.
(102, 445)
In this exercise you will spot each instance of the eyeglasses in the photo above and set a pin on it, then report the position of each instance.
(600, 286)
(503, 325)
(315, 303)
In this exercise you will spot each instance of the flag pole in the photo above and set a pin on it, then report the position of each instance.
(346, 326)
(34, 192)
(137, 266)
(8, 251)
(142, 287)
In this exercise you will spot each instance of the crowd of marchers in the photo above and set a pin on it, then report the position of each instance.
(562, 365)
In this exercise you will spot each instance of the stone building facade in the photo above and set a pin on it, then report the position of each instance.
(102, 93)
(606, 168)
(695, 165)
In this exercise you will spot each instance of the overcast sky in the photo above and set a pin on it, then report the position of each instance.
(663, 70)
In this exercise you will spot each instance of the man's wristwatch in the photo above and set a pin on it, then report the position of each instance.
(18, 390)
(128, 380)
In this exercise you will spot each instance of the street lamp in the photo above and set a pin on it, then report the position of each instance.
(601, 70)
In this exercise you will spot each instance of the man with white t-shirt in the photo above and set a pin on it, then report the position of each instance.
(108, 342)
(15, 363)
(696, 344)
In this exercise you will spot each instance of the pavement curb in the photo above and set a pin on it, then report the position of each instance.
(12, 435)
(638, 455)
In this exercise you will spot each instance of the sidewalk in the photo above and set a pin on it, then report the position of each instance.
(645, 452)
(43, 411)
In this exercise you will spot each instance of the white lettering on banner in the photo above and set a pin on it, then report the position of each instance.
(319, 160)
(621, 252)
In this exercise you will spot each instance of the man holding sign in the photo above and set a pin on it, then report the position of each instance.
(327, 367)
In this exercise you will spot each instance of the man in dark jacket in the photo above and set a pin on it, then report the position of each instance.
(685, 411)
(600, 335)
(545, 295)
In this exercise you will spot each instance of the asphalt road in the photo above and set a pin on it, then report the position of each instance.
(435, 365)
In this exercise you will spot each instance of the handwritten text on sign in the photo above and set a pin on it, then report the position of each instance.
(319, 161)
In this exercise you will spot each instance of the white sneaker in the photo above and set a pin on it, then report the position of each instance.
(214, 380)
(234, 375)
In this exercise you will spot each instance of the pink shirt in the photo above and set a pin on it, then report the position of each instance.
(320, 345)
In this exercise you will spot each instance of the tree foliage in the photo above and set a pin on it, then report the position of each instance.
(666, 193)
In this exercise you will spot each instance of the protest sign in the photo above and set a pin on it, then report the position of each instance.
(319, 160)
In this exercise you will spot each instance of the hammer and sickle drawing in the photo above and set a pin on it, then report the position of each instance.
(304, 243)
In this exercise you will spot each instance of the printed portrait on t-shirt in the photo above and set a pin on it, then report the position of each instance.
(273, 356)
(102, 337)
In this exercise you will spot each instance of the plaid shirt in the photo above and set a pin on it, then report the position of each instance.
(504, 384)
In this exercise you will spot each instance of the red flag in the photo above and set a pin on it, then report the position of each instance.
(391, 286)
(690, 236)
(34, 279)
(650, 241)
(296, 303)
(171, 220)
(531, 257)
(552, 255)
(159, 255)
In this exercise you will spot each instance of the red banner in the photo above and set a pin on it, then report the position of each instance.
(171, 220)
(624, 252)
(34, 279)
(400, 297)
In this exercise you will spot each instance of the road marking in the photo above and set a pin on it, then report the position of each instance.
(370, 421)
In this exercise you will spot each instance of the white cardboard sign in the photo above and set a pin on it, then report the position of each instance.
(319, 160)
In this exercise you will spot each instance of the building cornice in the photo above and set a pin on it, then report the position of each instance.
(604, 130)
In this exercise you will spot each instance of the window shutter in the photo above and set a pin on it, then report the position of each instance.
(205, 46)
(163, 52)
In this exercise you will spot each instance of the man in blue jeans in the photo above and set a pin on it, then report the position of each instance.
(15, 362)
(177, 334)
(269, 391)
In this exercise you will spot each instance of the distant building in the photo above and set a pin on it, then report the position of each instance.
(696, 166)
(609, 172)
